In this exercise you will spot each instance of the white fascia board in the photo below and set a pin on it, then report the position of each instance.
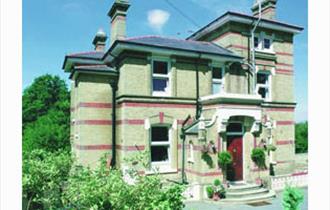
(264, 24)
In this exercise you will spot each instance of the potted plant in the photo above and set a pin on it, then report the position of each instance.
(258, 157)
(216, 191)
(224, 160)
(209, 191)
(219, 190)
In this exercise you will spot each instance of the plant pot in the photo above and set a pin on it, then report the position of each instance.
(216, 197)
(258, 181)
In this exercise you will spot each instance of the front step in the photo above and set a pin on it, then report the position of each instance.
(247, 193)
(238, 194)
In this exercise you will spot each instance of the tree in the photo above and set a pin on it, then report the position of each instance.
(50, 132)
(301, 137)
(46, 92)
(46, 114)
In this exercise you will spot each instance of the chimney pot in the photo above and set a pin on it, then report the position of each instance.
(99, 40)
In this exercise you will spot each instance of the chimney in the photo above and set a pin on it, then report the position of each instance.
(99, 40)
(118, 14)
(268, 9)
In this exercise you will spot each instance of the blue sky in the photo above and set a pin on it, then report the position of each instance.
(53, 28)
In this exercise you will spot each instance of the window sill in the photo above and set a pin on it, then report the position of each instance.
(161, 94)
(191, 161)
(265, 51)
(162, 171)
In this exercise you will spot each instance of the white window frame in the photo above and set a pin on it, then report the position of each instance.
(268, 86)
(162, 166)
(261, 42)
(191, 152)
(219, 81)
(167, 76)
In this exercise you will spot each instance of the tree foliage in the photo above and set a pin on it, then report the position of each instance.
(46, 114)
(301, 137)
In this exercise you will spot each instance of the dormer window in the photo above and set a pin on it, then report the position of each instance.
(217, 80)
(160, 78)
(263, 85)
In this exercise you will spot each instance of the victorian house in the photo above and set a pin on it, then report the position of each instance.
(228, 86)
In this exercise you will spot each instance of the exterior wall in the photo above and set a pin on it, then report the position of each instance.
(135, 77)
(91, 111)
(284, 139)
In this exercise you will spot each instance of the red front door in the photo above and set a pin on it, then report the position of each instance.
(234, 146)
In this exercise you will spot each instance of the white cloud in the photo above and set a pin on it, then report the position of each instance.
(157, 19)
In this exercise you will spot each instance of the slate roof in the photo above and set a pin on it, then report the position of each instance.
(181, 44)
(88, 55)
(230, 16)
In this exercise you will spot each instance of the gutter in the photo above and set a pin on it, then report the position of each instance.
(198, 108)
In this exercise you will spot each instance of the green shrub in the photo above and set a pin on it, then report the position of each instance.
(105, 188)
(292, 198)
(44, 175)
(259, 158)
(209, 191)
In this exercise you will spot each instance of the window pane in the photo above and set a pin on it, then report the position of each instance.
(159, 153)
(263, 92)
(159, 84)
(159, 134)
(234, 127)
(216, 88)
(217, 73)
(160, 67)
(262, 78)
(266, 43)
(256, 42)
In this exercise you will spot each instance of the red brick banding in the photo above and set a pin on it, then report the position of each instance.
(300, 173)
(284, 142)
(109, 147)
(279, 109)
(216, 173)
(156, 105)
(285, 123)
